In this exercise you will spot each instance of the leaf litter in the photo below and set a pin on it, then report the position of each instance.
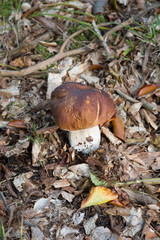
(43, 181)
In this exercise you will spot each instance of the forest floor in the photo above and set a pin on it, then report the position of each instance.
(114, 47)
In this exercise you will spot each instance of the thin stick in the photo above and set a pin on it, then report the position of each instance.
(126, 96)
(145, 104)
(146, 57)
(70, 38)
(158, 234)
(148, 119)
(79, 32)
(101, 38)
(110, 136)
(117, 28)
(152, 181)
(43, 64)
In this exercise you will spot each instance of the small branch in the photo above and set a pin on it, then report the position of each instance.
(79, 32)
(151, 181)
(146, 10)
(117, 28)
(29, 224)
(101, 38)
(158, 234)
(126, 96)
(48, 23)
(70, 38)
(148, 106)
(145, 104)
(110, 136)
(31, 10)
(43, 64)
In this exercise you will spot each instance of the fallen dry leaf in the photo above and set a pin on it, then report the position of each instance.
(80, 169)
(117, 203)
(61, 183)
(134, 222)
(21, 62)
(22, 179)
(141, 197)
(98, 195)
(149, 233)
(146, 89)
(95, 67)
(47, 129)
(90, 224)
(118, 128)
(17, 124)
(118, 211)
(77, 70)
(68, 196)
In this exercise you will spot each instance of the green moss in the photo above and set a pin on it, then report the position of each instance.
(80, 39)
(74, 28)
(100, 19)
(43, 51)
(59, 41)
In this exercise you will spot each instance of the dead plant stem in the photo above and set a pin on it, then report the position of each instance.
(151, 181)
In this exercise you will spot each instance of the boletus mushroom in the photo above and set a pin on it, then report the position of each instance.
(80, 110)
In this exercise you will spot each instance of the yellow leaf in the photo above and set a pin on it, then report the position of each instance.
(98, 195)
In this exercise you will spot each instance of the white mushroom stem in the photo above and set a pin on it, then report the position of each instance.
(85, 140)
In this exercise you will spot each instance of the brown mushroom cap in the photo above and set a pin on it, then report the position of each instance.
(77, 106)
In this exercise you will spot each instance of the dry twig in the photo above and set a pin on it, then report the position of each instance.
(148, 106)
(43, 64)
(101, 38)
(151, 181)
(110, 136)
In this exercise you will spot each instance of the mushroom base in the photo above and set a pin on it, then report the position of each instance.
(85, 140)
